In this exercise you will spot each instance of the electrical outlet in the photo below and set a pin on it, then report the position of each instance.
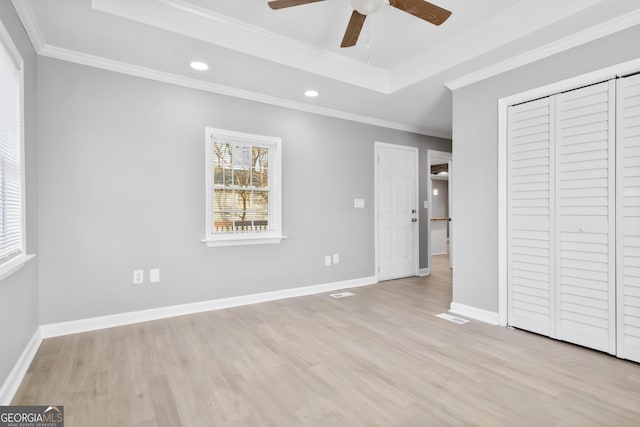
(336, 258)
(154, 275)
(327, 260)
(138, 277)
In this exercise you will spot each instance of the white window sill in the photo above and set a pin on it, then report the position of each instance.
(13, 265)
(243, 240)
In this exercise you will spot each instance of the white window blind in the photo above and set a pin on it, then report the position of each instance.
(11, 164)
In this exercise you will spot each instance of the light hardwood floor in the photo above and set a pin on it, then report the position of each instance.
(379, 358)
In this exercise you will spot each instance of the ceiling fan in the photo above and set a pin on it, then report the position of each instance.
(361, 8)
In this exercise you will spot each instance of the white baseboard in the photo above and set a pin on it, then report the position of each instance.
(424, 272)
(474, 313)
(11, 384)
(121, 319)
(15, 377)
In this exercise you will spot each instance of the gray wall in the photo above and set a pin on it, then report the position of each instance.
(19, 292)
(121, 174)
(475, 155)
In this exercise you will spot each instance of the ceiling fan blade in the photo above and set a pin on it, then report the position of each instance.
(281, 4)
(353, 29)
(423, 10)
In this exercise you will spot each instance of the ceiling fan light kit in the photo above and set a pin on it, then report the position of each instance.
(362, 8)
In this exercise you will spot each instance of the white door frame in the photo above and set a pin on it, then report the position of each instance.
(597, 76)
(441, 155)
(450, 187)
(378, 146)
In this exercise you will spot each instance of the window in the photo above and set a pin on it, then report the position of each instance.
(243, 189)
(12, 241)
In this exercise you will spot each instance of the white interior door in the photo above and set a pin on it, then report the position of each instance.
(397, 210)
(530, 217)
(628, 213)
(585, 216)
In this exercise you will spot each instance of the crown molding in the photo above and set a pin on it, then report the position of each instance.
(185, 18)
(264, 34)
(493, 33)
(205, 25)
(161, 76)
(26, 15)
(598, 31)
(14, 54)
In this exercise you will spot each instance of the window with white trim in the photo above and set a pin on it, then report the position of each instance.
(244, 191)
(12, 234)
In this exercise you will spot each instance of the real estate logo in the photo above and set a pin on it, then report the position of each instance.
(31, 416)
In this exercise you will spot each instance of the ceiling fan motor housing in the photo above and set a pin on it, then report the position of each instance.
(367, 7)
(362, 8)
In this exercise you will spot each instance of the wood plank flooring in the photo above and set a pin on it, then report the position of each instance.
(379, 358)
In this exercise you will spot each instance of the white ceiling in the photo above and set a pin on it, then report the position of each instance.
(393, 77)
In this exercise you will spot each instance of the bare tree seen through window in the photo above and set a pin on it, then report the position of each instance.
(241, 187)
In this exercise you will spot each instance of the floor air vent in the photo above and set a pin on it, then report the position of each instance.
(454, 319)
(341, 294)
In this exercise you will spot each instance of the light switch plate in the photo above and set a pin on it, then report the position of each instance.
(327, 260)
(336, 258)
(358, 203)
(154, 275)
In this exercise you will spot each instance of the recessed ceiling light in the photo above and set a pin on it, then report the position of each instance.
(200, 66)
(311, 93)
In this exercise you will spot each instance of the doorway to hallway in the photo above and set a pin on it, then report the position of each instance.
(440, 167)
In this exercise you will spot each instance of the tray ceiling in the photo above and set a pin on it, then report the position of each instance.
(393, 77)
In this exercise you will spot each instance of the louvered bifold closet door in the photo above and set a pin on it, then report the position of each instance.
(585, 216)
(628, 211)
(530, 228)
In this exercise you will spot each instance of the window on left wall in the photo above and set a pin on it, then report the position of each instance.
(12, 213)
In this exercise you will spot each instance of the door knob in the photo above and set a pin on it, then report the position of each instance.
(413, 211)
(413, 220)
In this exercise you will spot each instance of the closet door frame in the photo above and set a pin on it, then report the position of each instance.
(598, 76)
(627, 233)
